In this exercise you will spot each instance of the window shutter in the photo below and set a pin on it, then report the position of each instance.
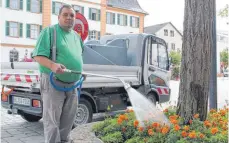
(40, 28)
(7, 28)
(98, 35)
(28, 5)
(99, 15)
(21, 4)
(131, 21)
(7, 3)
(89, 13)
(138, 22)
(21, 29)
(40, 6)
(126, 20)
(28, 30)
(118, 19)
(83, 10)
(53, 7)
(113, 18)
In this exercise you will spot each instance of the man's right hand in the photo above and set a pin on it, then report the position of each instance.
(57, 68)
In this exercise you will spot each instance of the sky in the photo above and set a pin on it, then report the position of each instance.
(161, 11)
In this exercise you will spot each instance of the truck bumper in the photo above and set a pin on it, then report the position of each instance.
(18, 109)
(164, 97)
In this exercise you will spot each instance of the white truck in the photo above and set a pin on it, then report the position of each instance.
(139, 59)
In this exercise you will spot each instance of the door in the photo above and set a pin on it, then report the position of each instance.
(157, 61)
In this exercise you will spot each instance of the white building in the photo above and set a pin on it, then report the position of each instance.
(22, 21)
(169, 33)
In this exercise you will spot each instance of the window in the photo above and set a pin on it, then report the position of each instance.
(122, 20)
(165, 32)
(33, 31)
(14, 4)
(94, 14)
(173, 46)
(94, 35)
(14, 29)
(157, 53)
(14, 56)
(56, 7)
(78, 8)
(34, 6)
(110, 18)
(171, 33)
(134, 22)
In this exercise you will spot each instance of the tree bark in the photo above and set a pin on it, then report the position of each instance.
(196, 58)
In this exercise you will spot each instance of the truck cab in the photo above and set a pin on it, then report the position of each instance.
(139, 59)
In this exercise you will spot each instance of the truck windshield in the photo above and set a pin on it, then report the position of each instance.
(158, 54)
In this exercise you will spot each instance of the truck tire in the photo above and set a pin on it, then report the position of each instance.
(84, 113)
(30, 118)
(152, 97)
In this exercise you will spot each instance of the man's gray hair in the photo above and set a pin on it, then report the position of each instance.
(65, 6)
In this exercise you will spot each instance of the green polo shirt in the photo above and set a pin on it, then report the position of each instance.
(69, 51)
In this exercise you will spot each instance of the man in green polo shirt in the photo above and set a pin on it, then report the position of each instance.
(59, 108)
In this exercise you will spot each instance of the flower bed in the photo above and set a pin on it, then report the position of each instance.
(124, 128)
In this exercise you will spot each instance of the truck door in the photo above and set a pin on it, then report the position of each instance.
(157, 62)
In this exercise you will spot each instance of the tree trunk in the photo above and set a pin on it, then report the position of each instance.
(196, 58)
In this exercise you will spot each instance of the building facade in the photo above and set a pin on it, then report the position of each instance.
(22, 21)
(169, 33)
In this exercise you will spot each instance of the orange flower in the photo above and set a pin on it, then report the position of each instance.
(190, 121)
(140, 129)
(196, 116)
(164, 130)
(155, 125)
(222, 112)
(119, 121)
(201, 136)
(184, 134)
(214, 124)
(207, 123)
(221, 123)
(186, 128)
(150, 132)
(174, 122)
(173, 117)
(123, 117)
(192, 135)
(166, 110)
(216, 115)
(214, 130)
(212, 111)
(177, 127)
(136, 122)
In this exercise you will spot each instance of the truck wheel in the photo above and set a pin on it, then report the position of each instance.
(152, 98)
(84, 113)
(30, 118)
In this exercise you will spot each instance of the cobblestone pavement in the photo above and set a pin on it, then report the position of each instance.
(14, 129)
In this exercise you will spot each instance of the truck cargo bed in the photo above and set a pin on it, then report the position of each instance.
(26, 74)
